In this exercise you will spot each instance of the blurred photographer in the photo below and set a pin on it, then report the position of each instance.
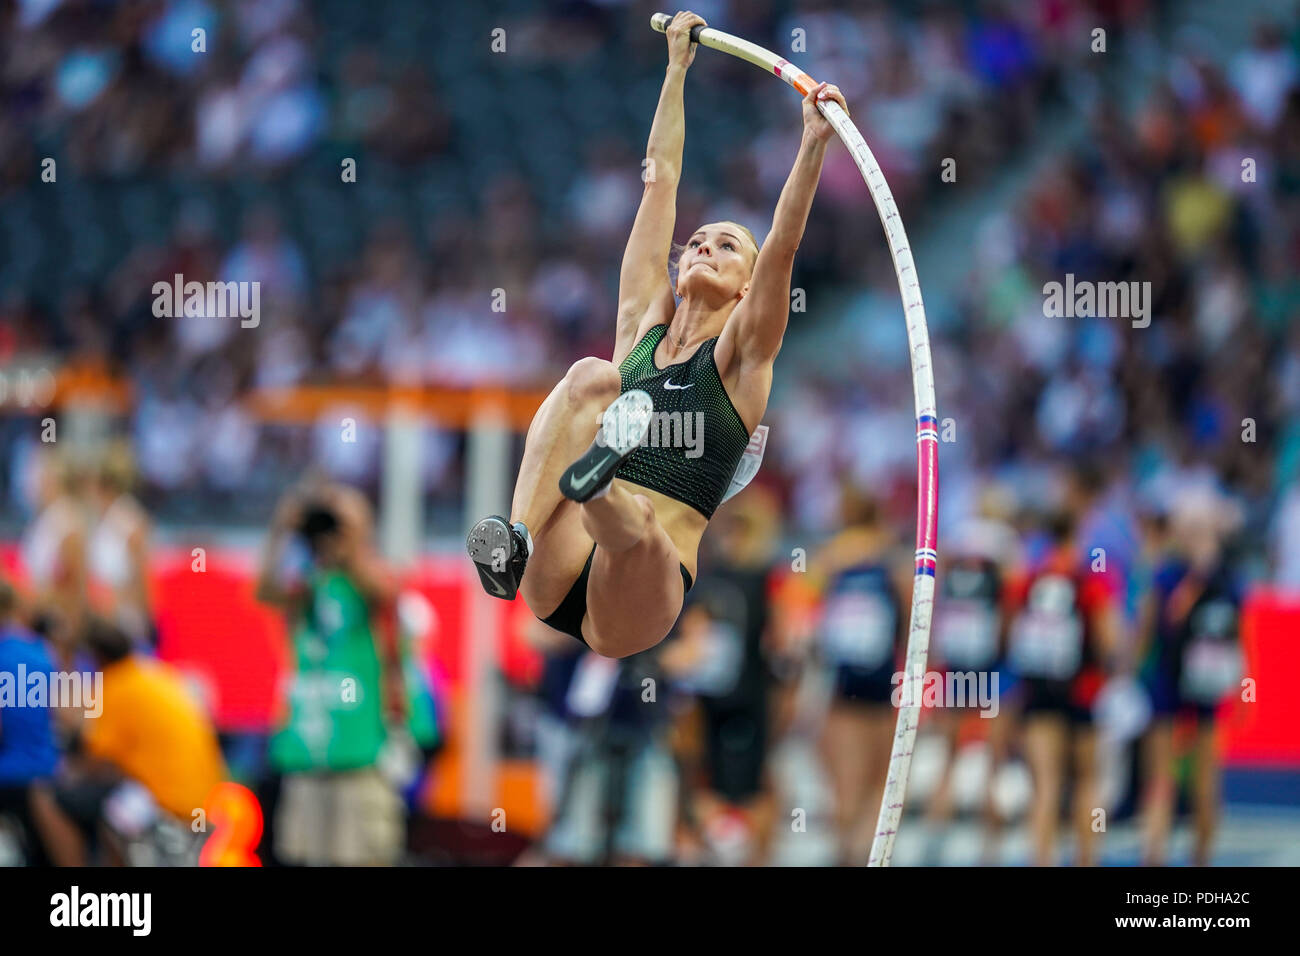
(137, 768)
(345, 689)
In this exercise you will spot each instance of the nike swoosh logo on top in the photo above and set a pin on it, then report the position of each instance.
(577, 483)
(497, 588)
(671, 385)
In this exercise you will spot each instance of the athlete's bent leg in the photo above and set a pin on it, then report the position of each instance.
(541, 521)
(635, 591)
(563, 427)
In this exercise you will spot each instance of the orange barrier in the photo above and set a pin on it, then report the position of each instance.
(91, 384)
(36, 388)
(453, 407)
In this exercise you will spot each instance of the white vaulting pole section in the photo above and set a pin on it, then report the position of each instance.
(927, 425)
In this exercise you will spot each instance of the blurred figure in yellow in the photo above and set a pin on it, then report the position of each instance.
(150, 751)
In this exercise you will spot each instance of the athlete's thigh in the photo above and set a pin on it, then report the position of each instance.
(635, 596)
(844, 738)
(880, 740)
(1044, 743)
(1206, 753)
(560, 549)
(1158, 750)
(1084, 744)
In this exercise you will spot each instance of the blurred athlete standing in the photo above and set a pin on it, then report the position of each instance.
(118, 554)
(859, 636)
(54, 553)
(734, 802)
(1064, 629)
(1192, 660)
(970, 637)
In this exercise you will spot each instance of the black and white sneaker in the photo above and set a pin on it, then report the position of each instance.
(500, 551)
(623, 427)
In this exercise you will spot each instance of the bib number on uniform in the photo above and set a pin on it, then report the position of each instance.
(1210, 669)
(1046, 645)
(858, 630)
(747, 467)
(966, 634)
(720, 662)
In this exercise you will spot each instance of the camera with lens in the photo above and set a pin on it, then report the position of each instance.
(319, 522)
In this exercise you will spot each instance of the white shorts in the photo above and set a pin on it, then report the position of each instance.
(351, 818)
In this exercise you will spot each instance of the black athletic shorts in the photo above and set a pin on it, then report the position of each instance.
(735, 747)
(1040, 696)
(856, 685)
(83, 800)
(568, 616)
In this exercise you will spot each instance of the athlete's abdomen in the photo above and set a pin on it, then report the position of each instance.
(684, 525)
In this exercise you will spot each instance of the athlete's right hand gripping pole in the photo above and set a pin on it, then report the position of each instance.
(927, 424)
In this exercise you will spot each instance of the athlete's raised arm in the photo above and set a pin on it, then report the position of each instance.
(643, 287)
(753, 334)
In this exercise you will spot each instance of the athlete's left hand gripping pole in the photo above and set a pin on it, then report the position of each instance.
(927, 422)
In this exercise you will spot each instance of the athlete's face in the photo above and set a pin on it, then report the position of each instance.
(1196, 535)
(717, 262)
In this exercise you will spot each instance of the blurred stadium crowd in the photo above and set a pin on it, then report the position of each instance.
(1069, 434)
(226, 165)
